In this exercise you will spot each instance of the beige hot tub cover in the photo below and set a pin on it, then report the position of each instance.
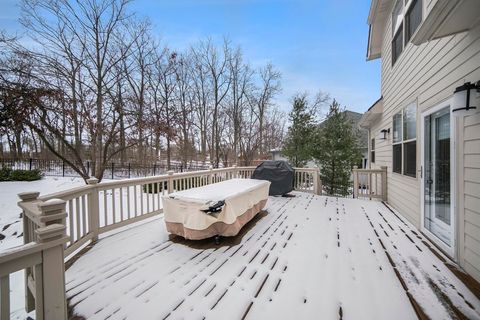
(244, 198)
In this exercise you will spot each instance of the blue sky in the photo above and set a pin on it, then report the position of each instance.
(316, 44)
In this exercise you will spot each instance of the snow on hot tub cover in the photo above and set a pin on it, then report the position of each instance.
(244, 198)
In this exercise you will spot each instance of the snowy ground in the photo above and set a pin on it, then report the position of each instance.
(306, 257)
(11, 229)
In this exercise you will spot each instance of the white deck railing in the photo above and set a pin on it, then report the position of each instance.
(370, 183)
(101, 207)
(58, 224)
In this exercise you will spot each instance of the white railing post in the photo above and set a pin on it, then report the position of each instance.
(234, 172)
(93, 209)
(50, 298)
(315, 181)
(320, 186)
(384, 183)
(355, 181)
(170, 181)
(28, 197)
(210, 175)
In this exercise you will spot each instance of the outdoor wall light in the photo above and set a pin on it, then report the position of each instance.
(384, 133)
(464, 99)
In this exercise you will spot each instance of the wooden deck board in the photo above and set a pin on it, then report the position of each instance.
(307, 256)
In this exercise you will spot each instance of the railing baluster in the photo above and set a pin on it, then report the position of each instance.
(135, 200)
(70, 221)
(78, 218)
(84, 215)
(105, 209)
(148, 200)
(141, 199)
(128, 202)
(113, 206)
(121, 203)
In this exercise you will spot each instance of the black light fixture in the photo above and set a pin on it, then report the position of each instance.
(464, 99)
(384, 132)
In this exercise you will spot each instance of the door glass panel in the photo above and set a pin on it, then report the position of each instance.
(437, 175)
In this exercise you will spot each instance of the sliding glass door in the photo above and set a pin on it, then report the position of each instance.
(437, 177)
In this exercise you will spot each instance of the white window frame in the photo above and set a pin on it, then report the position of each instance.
(402, 141)
(406, 4)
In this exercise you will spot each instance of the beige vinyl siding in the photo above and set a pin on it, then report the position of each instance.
(471, 196)
(428, 74)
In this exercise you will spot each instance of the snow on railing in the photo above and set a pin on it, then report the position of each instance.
(370, 183)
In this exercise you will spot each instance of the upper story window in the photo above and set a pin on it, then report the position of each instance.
(413, 18)
(405, 141)
(406, 17)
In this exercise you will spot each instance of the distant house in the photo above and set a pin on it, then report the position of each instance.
(430, 63)
(276, 154)
(355, 117)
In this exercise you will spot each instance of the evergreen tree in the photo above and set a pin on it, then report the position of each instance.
(336, 150)
(298, 143)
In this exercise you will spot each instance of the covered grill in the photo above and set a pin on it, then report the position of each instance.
(279, 173)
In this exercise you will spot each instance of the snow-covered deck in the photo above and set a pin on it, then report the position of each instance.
(303, 257)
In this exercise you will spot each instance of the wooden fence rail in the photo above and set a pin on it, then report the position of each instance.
(58, 225)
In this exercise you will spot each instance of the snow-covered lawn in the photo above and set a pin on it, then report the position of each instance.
(10, 221)
(11, 228)
(308, 257)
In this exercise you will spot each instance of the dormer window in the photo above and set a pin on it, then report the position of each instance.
(406, 17)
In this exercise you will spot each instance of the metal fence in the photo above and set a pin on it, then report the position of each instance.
(114, 170)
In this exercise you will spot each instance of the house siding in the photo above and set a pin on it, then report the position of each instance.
(428, 74)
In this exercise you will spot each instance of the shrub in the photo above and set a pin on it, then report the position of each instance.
(7, 174)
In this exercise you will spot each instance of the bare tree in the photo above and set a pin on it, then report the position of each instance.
(269, 87)
(80, 40)
(217, 65)
(241, 77)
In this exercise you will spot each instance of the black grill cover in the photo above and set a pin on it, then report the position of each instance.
(279, 173)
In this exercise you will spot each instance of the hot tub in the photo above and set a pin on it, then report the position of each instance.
(219, 209)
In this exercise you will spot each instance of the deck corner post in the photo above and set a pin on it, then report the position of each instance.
(170, 181)
(384, 183)
(234, 172)
(27, 197)
(52, 211)
(93, 209)
(355, 181)
(50, 301)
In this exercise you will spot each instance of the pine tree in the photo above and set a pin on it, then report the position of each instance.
(336, 150)
(298, 143)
